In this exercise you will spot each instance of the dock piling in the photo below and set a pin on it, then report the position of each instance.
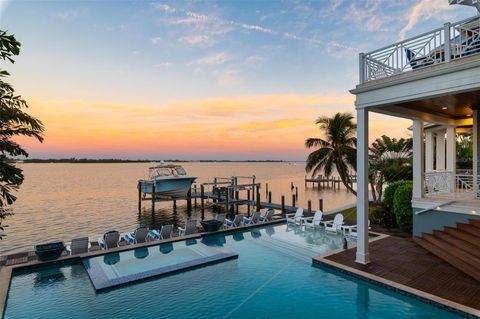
(320, 204)
(270, 197)
(309, 206)
(153, 198)
(283, 204)
(139, 197)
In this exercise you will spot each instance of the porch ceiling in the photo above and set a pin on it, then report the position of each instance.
(455, 106)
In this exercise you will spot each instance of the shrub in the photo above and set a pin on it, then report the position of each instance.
(402, 206)
(390, 192)
(383, 217)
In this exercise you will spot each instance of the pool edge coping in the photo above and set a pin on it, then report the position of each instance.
(439, 302)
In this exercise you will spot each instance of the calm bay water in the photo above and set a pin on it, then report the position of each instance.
(63, 201)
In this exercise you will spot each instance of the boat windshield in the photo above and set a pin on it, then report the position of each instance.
(159, 171)
(180, 171)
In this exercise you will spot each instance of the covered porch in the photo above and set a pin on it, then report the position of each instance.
(441, 101)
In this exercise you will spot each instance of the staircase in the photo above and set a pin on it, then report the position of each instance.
(458, 246)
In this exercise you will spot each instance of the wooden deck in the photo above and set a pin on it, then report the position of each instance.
(404, 262)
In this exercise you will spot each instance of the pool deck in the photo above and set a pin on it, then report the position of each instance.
(400, 264)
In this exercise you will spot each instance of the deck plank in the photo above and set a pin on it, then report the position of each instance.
(402, 261)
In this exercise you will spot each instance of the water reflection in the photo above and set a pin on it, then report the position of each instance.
(238, 237)
(363, 301)
(111, 259)
(141, 253)
(256, 233)
(218, 241)
(166, 248)
(48, 277)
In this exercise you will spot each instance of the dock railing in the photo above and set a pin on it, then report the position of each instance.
(442, 45)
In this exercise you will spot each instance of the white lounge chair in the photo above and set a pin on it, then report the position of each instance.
(164, 233)
(78, 246)
(352, 230)
(109, 240)
(313, 222)
(267, 216)
(296, 218)
(251, 220)
(190, 228)
(138, 236)
(221, 218)
(335, 225)
(236, 222)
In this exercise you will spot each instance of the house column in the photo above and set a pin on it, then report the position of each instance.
(418, 162)
(452, 155)
(440, 162)
(363, 255)
(429, 149)
(476, 147)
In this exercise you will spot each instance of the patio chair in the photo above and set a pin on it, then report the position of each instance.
(190, 228)
(352, 230)
(236, 222)
(109, 240)
(164, 233)
(267, 216)
(251, 220)
(78, 246)
(296, 218)
(313, 222)
(138, 236)
(335, 225)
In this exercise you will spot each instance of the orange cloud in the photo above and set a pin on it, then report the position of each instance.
(269, 125)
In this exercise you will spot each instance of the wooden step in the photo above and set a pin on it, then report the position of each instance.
(461, 244)
(472, 230)
(463, 235)
(453, 250)
(473, 272)
(475, 222)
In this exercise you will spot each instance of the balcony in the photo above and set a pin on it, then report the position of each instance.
(451, 42)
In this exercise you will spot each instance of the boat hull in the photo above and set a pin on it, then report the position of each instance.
(174, 187)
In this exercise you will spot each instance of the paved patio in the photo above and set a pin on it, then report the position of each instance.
(404, 262)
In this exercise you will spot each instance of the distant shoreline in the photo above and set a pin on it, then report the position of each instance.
(106, 161)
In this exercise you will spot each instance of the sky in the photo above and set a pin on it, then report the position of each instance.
(200, 79)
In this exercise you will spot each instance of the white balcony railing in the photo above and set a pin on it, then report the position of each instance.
(442, 45)
(438, 182)
(445, 182)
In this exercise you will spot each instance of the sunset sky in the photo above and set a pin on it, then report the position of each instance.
(199, 80)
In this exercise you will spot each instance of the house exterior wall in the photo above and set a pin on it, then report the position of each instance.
(431, 220)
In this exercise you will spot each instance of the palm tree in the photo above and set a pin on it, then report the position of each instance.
(389, 161)
(337, 150)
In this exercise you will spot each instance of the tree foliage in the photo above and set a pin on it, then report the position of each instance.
(336, 150)
(14, 122)
(389, 161)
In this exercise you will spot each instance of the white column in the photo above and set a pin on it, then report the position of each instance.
(452, 155)
(476, 149)
(429, 149)
(363, 255)
(418, 162)
(440, 162)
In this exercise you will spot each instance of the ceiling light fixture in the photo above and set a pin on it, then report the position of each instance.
(444, 107)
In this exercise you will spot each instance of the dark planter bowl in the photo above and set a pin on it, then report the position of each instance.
(211, 225)
(50, 251)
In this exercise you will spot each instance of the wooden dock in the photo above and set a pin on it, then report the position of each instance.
(230, 194)
(328, 182)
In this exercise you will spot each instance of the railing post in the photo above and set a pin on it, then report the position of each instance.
(361, 71)
(447, 46)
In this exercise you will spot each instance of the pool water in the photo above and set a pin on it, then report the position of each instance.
(273, 277)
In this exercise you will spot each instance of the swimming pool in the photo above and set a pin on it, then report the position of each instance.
(273, 277)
